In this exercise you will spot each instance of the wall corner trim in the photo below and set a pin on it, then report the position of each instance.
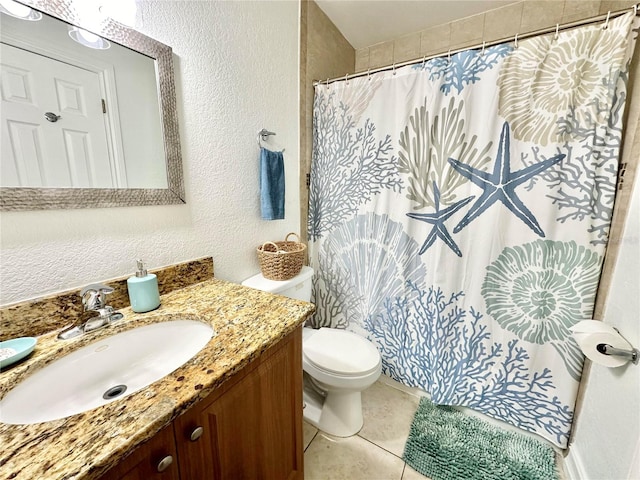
(573, 465)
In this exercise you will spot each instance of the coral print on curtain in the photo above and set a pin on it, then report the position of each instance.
(459, 212)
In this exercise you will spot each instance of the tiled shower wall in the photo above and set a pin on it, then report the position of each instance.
(501, 23)
(324, 53)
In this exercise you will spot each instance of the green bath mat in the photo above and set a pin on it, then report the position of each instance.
(446, 444)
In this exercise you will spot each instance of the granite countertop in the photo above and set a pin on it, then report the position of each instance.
(246, 323)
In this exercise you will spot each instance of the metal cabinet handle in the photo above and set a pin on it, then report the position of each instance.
(196, 434)
(164, 463)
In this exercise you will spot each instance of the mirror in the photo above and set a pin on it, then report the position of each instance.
(86, 123)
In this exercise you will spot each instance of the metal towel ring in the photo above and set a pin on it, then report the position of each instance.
(263, 135)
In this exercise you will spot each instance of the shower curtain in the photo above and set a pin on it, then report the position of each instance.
(459, 210)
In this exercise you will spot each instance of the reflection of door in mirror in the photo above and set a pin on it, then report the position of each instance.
(131, 128)
(53, 125)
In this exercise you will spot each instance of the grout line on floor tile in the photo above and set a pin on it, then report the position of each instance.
(312, 439)
(381, 448)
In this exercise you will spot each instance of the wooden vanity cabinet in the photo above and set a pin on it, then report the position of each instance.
(144, 463)
(249, 428)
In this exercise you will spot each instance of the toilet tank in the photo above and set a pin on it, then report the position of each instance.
(298, 287)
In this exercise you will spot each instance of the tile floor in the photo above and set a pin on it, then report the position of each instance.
(376, 452)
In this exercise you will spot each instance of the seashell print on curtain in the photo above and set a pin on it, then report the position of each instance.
(459, 211)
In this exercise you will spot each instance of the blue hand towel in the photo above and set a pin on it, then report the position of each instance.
(271, 184)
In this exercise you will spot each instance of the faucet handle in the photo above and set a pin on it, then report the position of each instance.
(94, 296)
(96, 287)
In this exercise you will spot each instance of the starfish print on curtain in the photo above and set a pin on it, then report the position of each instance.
(501, 184)
(470, 301)
(437, 219)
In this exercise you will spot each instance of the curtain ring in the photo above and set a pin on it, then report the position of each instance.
(449, 56)
(424, 61)
(369, 74)
(483, 45)
(606, 22)
(346, 79)
(327, 84)
(394, 68)
(635, 9)
(515, 41)
(555, 37)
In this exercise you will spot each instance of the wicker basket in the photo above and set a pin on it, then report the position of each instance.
(281, 260)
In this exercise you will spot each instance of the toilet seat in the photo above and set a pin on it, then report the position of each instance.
(340, 352)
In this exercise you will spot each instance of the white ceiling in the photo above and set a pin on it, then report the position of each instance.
(367, 22)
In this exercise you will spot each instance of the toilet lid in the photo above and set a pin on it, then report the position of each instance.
(341, 352)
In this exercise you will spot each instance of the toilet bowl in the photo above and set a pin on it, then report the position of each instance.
(337, 364)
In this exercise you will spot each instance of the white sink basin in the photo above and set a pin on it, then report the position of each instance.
(104, 371)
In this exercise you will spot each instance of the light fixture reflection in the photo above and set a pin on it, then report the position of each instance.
(20, 11)
(88, 39)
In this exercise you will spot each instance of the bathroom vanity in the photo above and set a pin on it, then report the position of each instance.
(233, 411)
(248, 428)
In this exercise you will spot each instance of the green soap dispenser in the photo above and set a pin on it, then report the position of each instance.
(143, 290)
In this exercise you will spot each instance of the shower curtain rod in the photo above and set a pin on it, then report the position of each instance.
(558, 28)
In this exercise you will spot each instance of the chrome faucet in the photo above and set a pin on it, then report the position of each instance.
(94, 296)
(94, 299)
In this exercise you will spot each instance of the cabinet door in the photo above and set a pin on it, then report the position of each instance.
(253, 430)
(150, 460)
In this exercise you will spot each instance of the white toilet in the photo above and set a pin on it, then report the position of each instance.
(337, 364)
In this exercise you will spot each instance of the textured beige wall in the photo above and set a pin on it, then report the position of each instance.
(236, 71)
(500, 23)
(324, 53)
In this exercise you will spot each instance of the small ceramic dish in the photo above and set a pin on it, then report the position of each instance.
(13, 350)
